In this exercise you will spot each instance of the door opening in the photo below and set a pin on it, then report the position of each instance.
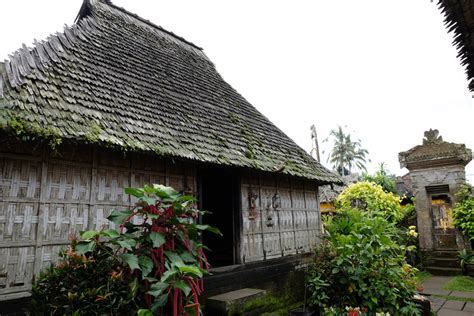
(218, 196)
(441, 212)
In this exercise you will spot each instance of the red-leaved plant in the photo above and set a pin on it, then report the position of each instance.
(159, 245)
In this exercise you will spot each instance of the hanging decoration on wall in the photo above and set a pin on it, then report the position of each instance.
(273, 204)
(253, 214)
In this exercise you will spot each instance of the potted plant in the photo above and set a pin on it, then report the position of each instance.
(466, 261)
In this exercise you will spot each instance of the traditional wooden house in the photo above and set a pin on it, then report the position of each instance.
(117, 101)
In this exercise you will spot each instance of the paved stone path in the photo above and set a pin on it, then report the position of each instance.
(434, 286)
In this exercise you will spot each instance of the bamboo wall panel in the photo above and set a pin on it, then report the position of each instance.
(45, 198)
(280, 217)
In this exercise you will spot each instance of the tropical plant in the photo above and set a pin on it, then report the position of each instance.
(363, 265)
(464, 258)
(371, 198)
(156, 251)
(383, 178)
(463, 212)
(86, 285)
(346, 153)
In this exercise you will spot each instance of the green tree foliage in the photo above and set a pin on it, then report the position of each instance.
(463, 212)
(154, 263)
(383, 178)
(371, 198)
(346, 153)
(362, 264)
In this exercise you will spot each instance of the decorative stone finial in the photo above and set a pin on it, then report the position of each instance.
(432, 137)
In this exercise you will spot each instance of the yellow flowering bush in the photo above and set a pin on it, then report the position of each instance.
(371, 198)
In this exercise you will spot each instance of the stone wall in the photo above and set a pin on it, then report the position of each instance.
(453, 176)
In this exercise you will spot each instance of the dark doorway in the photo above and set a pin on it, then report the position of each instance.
(441, 212)
(218, 195)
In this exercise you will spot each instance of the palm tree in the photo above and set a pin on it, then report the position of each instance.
(346, 153)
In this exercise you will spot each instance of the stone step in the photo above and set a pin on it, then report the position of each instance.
(443, 262)
(453, 254)
(231, 302)
(443, 270)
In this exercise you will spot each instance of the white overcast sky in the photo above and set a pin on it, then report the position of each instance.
(386, 69)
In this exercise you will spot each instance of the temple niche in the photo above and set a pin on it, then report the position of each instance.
(436, 172)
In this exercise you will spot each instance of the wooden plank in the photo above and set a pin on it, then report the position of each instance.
(42, 223)
(92, 193)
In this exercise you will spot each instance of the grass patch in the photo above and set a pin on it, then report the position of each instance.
(454, 298)
(270, 304)
(460, 283)
(422, 276)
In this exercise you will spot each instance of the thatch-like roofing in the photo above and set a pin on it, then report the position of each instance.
(459, 18)
(116, 79)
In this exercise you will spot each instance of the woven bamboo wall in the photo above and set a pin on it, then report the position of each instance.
(290, 228)
(45, 198)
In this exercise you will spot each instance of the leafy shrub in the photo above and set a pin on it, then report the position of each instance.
(92, 284)
(463, 212)
(155, 261)
(371, 198)
(362, 264)
(383, 178)
(408, 216)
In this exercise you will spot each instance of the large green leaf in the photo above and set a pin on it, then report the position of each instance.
(190, 270)
(168, 274)
(144, 312)
(127, 243)
(165, 192)
(83, 247)
(158, 288)
(89, 234)
(157, 239)
(146, 265)
(111, 233)
(118, 217)
(133, 287)
(174, 258)
(187, 257)
(131, 260)
(137, 192)
(209, 228)
(159, 301)
(183, 286)
(148, 200)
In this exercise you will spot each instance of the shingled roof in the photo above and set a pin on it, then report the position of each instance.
(459, 18)
(116, 79)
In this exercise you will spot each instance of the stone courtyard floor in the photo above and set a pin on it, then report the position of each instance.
(433, 288)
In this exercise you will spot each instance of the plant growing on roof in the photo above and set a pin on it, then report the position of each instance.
(157, 249)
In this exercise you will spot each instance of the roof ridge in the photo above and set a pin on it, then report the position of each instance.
(135, 16)
(43, 53)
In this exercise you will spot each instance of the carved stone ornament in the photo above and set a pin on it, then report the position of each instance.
(432, 137)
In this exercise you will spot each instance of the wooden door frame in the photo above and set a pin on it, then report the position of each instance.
(236, 208)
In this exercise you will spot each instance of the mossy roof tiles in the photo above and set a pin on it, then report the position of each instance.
(117, 79)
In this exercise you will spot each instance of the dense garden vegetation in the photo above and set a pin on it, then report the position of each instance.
(463, 212)
(362, 261)
(154, 263)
